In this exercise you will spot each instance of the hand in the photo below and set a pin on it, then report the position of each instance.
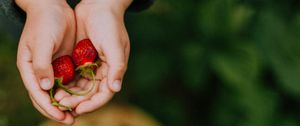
(102, 21)
(49, 31)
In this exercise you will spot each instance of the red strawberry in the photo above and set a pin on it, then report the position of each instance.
(64, 69)
(84, 53)
(84, 56)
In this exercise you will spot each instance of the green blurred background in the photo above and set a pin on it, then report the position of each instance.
(194, 62)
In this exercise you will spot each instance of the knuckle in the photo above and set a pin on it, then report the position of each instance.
(40, 66)
(121, 67)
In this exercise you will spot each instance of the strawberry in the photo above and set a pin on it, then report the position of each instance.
(64, 69)
(84, 53)
(84, 56)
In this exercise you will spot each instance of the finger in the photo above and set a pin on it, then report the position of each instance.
(30, 81)
(69, 120)
(115, 56)
(107, 39)
(41, 40)
(126, 41)
(116, 69)
(81, 32)
(42, 47)
(82, 83)
(60, 93)
(74, 114)
(68, 41)
(40, 109)
(99, 99)
(73, 101)
(41, 60)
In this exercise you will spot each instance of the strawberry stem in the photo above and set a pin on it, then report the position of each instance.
(60, 105)
(54, 102)
(83, 93)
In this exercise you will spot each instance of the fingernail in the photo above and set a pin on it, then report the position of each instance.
(116, 85)
(45, 83)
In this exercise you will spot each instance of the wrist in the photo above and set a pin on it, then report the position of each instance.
(115, 5)
(29, 5)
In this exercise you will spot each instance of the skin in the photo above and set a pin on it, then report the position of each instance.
(50, 31)
(103, 22)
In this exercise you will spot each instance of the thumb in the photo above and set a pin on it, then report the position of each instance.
(116, 67)
(41, 61)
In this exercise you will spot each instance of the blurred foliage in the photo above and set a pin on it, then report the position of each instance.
(15, 107)
(197, 62)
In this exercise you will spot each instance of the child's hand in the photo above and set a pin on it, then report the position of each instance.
(49, 31)
(102, 21)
